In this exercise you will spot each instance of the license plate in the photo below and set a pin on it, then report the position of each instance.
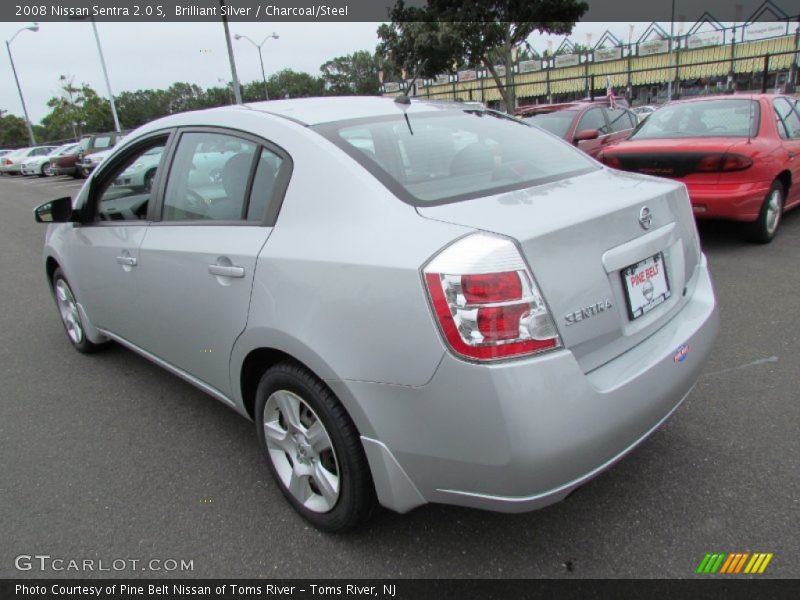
(646, 285)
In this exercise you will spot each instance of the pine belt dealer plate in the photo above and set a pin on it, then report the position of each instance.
(646, 285)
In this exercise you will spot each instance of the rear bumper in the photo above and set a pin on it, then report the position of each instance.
(520, 435)
(25, 170)
(732, 201)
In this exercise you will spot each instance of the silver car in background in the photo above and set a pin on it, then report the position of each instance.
(414, 302)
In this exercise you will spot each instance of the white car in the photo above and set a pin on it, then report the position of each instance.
(40, 164)
(12, 162)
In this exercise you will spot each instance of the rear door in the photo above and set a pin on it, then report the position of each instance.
(201, 253)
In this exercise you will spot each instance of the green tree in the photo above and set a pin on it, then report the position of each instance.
(449, 34)
(13, 131)
(293, 84)
(76, 112)
(356, 73)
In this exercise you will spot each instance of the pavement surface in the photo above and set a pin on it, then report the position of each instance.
(109, 457)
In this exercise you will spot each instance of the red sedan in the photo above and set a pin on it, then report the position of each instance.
(590, 125)
(737, 155)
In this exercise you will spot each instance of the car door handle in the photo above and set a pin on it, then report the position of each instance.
(226, 271)
(128, 261)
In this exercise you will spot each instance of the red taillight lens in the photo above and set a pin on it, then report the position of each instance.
(611, 161)
(713, 163)
(489, 313)
(736, 162)
(491, 287)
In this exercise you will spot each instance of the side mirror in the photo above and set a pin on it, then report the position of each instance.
(587, 134)
(55, 211)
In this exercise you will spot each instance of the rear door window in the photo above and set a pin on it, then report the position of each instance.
(619, 119)
(209, 177)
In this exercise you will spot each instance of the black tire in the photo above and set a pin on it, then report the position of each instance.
(42, 171)
(765, 227)
(356, 495)
(82, 344)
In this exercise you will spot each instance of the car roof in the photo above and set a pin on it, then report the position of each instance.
(314, 111)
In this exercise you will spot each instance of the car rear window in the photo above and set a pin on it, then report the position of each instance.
(557, 122)
(705, 118)
(448, 156)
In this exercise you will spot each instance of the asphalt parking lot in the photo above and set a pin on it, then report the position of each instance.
(109, 457)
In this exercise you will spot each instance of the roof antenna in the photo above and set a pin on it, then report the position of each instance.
(404, 98)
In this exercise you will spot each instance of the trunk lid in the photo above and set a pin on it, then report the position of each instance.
(578, 235)
(673, 158)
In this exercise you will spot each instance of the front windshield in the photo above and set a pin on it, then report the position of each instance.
(455, 155)
(557, 122)
(704, 118)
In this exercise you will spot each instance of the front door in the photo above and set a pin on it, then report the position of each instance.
(104, 262)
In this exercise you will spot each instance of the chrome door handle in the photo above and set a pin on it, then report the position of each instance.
(225, 271)
(127, 261)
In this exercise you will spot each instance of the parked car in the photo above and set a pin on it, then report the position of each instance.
(11, 163)
(415, 303)
(4, 152)
(40, 165)
(65, 164)
(89, 162)
(92, 143)
(591, 126)
(140, 174)
(736, 154)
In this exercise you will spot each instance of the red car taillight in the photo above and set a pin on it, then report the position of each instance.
(714, 163)
(6, 161)
(610, 161)
(486, 301)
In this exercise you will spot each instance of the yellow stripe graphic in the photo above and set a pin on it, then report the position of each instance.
(751, 564)
(758, 563)
(764, 564)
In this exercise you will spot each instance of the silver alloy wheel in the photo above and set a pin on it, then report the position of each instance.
(773, 216)
(68, 308)
(301, 451)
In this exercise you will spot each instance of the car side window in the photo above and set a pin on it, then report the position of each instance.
(102, 142)
(208, 178)
(788, 120)
(263, 189)
(593, 119)
(619, 119)
(125, 189)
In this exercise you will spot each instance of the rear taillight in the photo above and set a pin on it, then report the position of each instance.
(486, 301)
(6, 161)
(610, 161)
(713, 163)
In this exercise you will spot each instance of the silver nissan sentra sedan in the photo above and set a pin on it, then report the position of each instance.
(415, 302)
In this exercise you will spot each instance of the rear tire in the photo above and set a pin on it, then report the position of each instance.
(70, 315)
(764, 228)
(43, 171)
(314, 453)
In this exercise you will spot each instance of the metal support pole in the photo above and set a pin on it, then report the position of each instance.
(671, 41)
(263, 75)
(237, 92)
(21, 99)
(105, 74)
(764, 76)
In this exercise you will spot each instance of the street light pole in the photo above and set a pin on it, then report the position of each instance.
(237, 92)
(671, 42)
(34, 28)
(272, 36)
(105, 74)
